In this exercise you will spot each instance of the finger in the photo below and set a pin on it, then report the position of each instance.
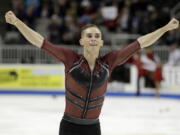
(8, 20)
(173, 19)
(175, 22)
(10, 12)
(7, 15)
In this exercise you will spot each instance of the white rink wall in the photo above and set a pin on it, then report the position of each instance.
(49, 79)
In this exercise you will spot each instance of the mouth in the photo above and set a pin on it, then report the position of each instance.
(93, 43)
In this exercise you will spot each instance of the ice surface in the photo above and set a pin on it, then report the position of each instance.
(41, 115)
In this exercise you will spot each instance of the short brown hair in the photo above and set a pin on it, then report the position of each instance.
(87, 26)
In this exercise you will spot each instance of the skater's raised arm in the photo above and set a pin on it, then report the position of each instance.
(152, 37)
(62, 54)
(32, 36)
(120, 56)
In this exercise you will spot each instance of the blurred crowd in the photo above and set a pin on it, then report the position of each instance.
(60, 20)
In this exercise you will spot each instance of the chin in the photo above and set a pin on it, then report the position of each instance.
(93, 48)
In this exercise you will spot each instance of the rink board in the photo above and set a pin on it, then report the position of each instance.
(49, 80)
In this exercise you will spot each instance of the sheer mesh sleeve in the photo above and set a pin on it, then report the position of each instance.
(118, 57)
(62, 54)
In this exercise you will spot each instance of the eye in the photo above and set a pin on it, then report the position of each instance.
(97, 35)
(89, 35)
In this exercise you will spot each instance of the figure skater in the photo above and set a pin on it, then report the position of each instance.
(87, 74)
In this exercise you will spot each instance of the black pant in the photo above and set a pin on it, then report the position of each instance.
(68, 128)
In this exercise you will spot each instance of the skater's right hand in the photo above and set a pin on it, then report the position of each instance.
(11, 18)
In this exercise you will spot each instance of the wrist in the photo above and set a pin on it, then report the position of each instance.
(16, 22)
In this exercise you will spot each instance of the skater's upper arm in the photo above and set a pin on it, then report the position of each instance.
(118, 57)
(60, 53)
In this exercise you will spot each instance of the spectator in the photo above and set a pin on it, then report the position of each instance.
(174, 37)
(18, 7)
(109, 13)
(152, 70)
(86, 13)
(174, 55)
(35, 3)
(70, 31)
(32, 7)
(149, 68)
(123, 19)
(139, 65)
(55, 29)
(72, 10)
(30, 16)
(46, 10)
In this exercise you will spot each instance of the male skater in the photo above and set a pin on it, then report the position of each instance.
(86, 75)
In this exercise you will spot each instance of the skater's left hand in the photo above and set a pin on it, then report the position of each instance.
(173, 24)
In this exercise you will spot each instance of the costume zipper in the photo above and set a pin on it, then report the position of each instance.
(88, 97)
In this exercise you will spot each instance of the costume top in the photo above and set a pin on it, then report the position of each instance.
(85, 89)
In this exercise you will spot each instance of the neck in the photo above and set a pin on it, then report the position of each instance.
(91, 58)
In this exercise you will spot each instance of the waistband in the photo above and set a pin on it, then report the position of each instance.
(80, 121)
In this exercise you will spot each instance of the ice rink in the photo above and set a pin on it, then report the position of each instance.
(40, 115)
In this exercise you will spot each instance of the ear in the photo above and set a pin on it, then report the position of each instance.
(81, 41)
(101, 42)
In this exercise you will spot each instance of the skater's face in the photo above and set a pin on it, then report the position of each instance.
(91, 38)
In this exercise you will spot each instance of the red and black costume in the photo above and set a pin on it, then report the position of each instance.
(85, 90)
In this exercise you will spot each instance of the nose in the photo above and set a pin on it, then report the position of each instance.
(93, 39)
(93, 42)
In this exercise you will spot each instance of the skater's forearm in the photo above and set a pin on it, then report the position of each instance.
(32, 36)
(151, 38)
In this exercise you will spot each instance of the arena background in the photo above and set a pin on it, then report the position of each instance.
(28, 73)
